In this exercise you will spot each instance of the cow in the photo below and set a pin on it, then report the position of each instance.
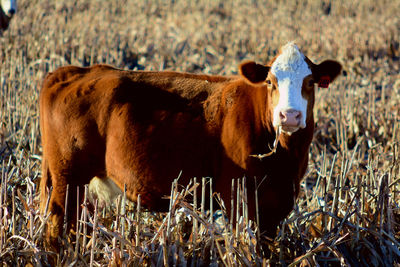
(7, 10)
(141, 129)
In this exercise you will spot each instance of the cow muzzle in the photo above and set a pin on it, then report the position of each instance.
(290, 120)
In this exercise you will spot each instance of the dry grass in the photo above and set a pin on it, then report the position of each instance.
(348, 211)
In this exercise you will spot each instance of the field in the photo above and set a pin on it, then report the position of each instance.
(348, 212)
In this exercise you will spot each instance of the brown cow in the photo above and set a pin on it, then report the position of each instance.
(141, 128)
(7, 11)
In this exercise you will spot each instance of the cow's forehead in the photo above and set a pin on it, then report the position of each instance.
(290, 63)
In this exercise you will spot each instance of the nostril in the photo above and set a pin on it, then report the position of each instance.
(298, 116)
(282, 115)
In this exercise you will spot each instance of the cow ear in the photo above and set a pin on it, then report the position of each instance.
(326, 72)
(253, 72)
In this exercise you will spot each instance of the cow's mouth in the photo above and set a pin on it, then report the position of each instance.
(289, 129)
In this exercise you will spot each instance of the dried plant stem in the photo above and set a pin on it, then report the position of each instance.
(123, 214)
(257, 211)
(66, 211)
(195, 226)
(232, 205)
(2, 196)
(203, 201)
(77, 223)
(13, 212)
(138, 222)
(171, 206)
(85, 219)
(244, 201)
(93, 241)
(211, 203)
(164, 250)
(30, 205)
(237, 208)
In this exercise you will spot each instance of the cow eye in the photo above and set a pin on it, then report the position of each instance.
(268, 82)
(311, 83)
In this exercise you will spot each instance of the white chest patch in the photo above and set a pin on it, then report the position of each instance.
(290, 68)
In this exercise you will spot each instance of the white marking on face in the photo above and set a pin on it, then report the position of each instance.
(9, 6)
(290, 69)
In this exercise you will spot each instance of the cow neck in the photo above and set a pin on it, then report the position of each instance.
(299, 141)
(242, 121)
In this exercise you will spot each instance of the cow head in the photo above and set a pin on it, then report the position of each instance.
(9, 7)
(290, 79)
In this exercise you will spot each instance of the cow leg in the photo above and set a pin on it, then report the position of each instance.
(55, 206)
(58, 183)
(277, 203)
(57, 209)
(58, 176)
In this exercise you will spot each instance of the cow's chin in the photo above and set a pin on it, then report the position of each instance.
(289, 130)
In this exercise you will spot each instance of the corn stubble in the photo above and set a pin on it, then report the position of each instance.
(347, 213)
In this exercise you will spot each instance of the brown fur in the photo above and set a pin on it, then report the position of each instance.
(142, 128)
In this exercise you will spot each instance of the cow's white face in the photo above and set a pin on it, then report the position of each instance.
(9, 6)
(289, 81)
(290, 69)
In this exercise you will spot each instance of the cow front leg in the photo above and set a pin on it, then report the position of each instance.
(56, 207)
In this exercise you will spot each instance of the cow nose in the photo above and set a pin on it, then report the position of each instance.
(290, 117)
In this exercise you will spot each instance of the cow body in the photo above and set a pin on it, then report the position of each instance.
(141, 129)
